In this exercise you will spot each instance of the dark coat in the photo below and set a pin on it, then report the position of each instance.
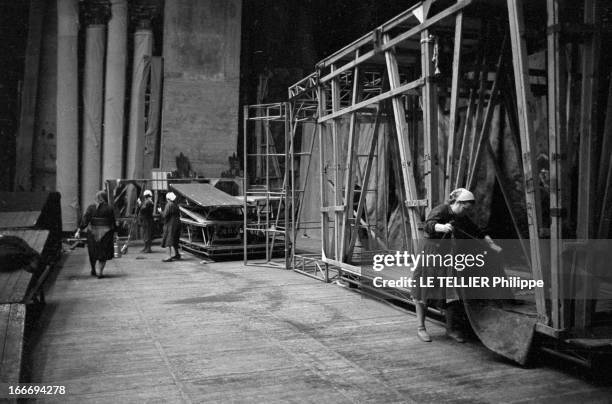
(145, 216)
(172, 225)
(441, 243)
(100, 221)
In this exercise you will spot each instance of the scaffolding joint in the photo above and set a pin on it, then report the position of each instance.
(415, 203)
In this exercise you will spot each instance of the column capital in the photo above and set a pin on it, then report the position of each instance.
(143, 12)
(95, 11)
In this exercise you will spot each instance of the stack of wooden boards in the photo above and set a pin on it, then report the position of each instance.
(30, 241)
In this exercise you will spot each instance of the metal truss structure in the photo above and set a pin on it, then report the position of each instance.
(389, 79)
(268, 170)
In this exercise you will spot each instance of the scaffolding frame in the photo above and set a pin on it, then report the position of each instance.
(267, 188)
(404, 50)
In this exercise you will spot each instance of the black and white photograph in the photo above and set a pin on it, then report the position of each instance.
(306, 201)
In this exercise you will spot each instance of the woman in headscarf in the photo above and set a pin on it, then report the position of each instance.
(145, 216)
(99, 219)
(172, 228)
(445, 222)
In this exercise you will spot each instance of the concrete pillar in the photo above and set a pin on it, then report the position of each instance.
(112, 153)
(67, 182)
(92, 113)
(143, 47)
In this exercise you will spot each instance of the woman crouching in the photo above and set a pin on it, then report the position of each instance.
(445, 221)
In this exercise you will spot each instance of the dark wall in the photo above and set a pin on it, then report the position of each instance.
(285, 39)
(13, 31)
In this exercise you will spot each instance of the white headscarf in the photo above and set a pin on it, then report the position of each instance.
(170, 196)
(461, 195)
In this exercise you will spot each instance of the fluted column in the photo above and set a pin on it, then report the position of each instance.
(67, 182)
(143, 47)
(91, 170)
(114, 99)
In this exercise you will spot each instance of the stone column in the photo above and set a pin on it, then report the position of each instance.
(92, 113)
(26, 135)
(67, 182)
(114, 103)
(143, 47)
(45, 126)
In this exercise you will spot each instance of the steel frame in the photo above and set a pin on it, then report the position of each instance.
(363, 83)
(270, 189)
(399, 55)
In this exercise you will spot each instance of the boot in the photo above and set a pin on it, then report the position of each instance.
(453, 329)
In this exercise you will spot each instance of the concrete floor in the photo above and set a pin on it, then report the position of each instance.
(221, 332)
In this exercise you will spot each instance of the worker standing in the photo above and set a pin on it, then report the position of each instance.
(99, 219)
(145, 217)
(445, 221)
(172, 228)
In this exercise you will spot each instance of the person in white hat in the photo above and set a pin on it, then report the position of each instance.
(145, 217)
(445, 222)
(172, 228)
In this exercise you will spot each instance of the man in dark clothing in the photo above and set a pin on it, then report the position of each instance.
(145, 217)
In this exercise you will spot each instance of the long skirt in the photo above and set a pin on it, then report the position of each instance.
(100, 243)
(172, 234)
(434, 295)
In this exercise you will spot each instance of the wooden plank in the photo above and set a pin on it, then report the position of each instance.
(355, 270)
(288, 189)
(369, 37)
(325, 248)
(524, 105)
(374, 100)
(397, 175)
(14, 285)
(4, 319)
(401, 132)
(605, 181)
(365, 181)
(18, 219)
(245, 177)
(23, 168)
(10, 365)
(224, 332)
(392, 42)
(584, 223)
(557, 144)
(487, 117)
(349, 174)
(36, 239)
(476, 123)
(336, 143)
(432, 170)
(586, 163)
(454, 100)
(463, 158)
(304, 184)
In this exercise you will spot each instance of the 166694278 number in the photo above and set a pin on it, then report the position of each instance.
(32, 390)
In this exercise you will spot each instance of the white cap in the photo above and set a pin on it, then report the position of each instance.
(462, 195)
(170, 196)
(147, 193)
